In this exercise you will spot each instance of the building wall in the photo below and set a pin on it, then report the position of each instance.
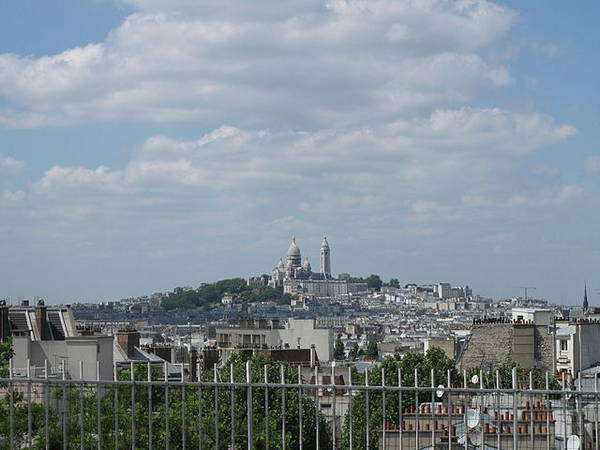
(321, 338)
(491, 344)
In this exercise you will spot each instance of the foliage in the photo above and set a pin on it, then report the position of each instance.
(372, 350)
(6, 353)
(367, 407)
(204, 412)
(339, 351)
(209, 295)
(504, 377)
(374, 282)
(394, 282)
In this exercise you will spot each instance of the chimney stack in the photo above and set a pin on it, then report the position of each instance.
(312, 356)
(193, 364)
(41, 320)
(4, 324)
(128, 340)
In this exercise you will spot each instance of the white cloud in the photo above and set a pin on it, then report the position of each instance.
(295, 64)
(592, 163)
(9, 165)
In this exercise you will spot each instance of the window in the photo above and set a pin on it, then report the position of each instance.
(564, 345)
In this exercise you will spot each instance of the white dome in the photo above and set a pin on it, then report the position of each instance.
(324, 244)
(293, 249)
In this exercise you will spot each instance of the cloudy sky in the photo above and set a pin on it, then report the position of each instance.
(147, 144)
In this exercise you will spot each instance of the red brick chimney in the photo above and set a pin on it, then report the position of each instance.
(128, 340)
(4, 324)
(41, 320)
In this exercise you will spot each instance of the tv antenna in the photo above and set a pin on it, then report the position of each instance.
(526, 289)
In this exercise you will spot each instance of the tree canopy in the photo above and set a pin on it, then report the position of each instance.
(209, 295)
(374, 282)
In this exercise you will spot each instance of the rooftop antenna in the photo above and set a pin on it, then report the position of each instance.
(527, 288)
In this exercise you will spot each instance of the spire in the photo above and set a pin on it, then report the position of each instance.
(585, 300)
(325, 262)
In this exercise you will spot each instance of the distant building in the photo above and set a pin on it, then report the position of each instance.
(46, 335)
(261, 333)
(298, 278)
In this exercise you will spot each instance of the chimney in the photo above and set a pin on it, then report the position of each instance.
(193, 364)
(4, 331)
(128, 340)
(41, 320)
(312, 356)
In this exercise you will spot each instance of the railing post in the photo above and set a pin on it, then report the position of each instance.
(167, 425)
(46, 412)
(64, 415)
(249, 406)
(149, 376)
(283, 407)
(11, 412)
(81, 394)
(515, 412)
(98, 409)
(29, 419)
(132, 379)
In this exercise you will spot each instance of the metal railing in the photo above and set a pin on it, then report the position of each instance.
(276, 406)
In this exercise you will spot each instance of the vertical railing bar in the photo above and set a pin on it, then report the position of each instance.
(65, 397)
(464, 407)
(216, 406)
(200, 427)
(81, 395)
(417, 406)
(514, 393)
(149, 377)
(450, 412)
(116, 402)
(232, 406)
(384, 419)
(498, 420)
(132, 379)
(167, 424)
(11, 413)
(46, 412)
(333, 411)
(266, 420)
(317, 409)
(350, 408)
(579, 410)
(530, 411)
(433, 407)
(183, 411)
(367, 408)
(548, 411)
(300, 410)
(482, 406)
(250, 414)
(98, 409)
(596, 405)
(283, 407)
(29, 423)
(400, 408)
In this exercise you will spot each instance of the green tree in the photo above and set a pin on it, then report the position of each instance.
(216, 416)
(368, 406)
(374, 282)
(372, 350)
(339, 352)
(395, 283)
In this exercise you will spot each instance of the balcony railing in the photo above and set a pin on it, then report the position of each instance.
(276, 406)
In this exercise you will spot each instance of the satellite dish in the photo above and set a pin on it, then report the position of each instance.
(440, 391)
(573, 442)
(477, 438)
(475, 379)
(472, 418)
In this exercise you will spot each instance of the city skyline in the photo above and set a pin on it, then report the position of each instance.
(145, 146)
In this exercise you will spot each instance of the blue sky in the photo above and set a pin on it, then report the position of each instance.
(144, 146)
